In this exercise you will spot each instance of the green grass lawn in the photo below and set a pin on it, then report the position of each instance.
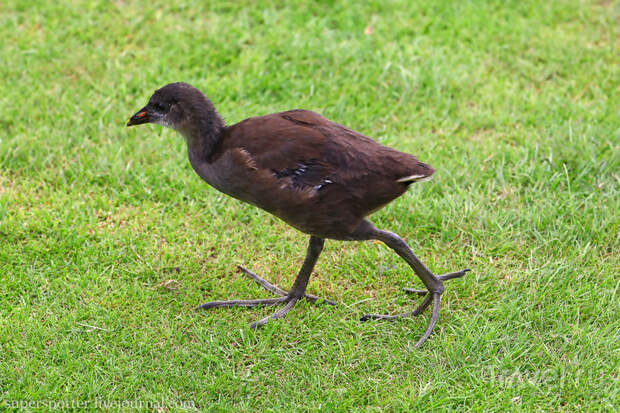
(108, 240)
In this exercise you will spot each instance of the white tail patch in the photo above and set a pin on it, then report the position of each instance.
(415, 178)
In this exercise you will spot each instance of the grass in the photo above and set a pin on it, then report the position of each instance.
(108, 239)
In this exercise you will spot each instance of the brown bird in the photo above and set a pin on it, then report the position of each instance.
(316, 175)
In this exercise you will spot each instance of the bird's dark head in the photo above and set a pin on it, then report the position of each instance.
(177, 106)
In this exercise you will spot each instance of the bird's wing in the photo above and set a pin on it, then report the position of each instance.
(301, 153)
(291, 149)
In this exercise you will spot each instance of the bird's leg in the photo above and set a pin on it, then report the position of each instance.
(297, 292)
(433, 283)
(301, 282)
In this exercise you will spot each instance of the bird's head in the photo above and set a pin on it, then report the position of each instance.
(174, 105)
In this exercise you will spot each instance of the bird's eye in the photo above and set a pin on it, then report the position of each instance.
(159, 107)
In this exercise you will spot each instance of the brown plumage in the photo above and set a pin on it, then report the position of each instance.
(318, 176)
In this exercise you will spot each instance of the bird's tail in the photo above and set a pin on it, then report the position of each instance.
(422, 172)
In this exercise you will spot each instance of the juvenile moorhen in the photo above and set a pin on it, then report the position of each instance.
(318, 176)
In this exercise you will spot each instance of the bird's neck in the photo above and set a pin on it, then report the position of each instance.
(203, 133)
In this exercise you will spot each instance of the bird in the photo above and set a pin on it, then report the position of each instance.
(316, 175)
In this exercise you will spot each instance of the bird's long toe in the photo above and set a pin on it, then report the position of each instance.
(451, 275)
(433, 297)
(442, 277)
(317, 300)
(278, 314)
(241, 303)
(421, 293)
(262, 282)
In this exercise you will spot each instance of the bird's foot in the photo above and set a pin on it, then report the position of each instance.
(431, 296)
(277, 290)
(284, 298)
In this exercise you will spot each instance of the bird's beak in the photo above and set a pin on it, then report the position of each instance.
(141, 116)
